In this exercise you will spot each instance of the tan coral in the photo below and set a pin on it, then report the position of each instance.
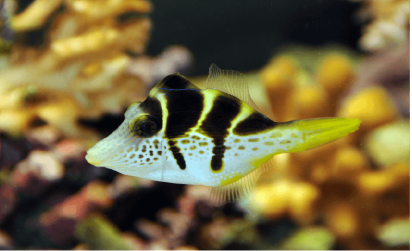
(35, 15)
(93, 43)
(81, 68)
(108, 8)
(15, 120)
(389, 26)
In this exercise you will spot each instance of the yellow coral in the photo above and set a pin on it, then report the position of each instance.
(374, 182)
(281, 197)
(35, 15)
(279, 78)
(335, 183)
(342, 220)
(303, 203)
(80, 71)
(349, 161)
(271, 200)
(335, 74)
(372, 105)
(311, 102)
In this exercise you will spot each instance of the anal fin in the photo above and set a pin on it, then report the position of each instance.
(239, 189)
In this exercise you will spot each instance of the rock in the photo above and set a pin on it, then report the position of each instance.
(99, 233)
(58, 224)
(36, 173)
(7, 201)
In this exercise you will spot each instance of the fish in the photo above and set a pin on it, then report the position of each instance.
(214, 137)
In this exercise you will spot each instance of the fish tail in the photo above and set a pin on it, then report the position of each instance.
(316, 132)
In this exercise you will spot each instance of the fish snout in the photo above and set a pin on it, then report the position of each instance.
(93, 157)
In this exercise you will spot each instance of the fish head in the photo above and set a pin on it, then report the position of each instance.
(135, 144)
(139, 144)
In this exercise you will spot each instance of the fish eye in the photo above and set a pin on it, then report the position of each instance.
(145, 126)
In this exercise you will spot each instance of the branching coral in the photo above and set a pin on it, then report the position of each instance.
(389, 26)
(80, 70)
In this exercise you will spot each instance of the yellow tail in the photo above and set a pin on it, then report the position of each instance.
(316, 132)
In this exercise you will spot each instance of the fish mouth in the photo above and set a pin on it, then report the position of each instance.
(92, 160)
(96, 157)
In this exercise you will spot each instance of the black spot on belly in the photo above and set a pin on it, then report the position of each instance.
(218, 154)
(180, 160)
(217, 121)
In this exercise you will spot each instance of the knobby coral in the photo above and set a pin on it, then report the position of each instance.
(350, 186)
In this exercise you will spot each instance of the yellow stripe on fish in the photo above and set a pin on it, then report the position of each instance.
(213, 137)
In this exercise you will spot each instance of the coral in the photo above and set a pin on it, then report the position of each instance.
(80, 69)
(395, 232)
(296, 199)
(280, 78)
(373, 106)
(389, 26)
(387, 145)
(344, 184)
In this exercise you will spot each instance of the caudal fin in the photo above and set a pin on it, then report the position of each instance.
(316, 132)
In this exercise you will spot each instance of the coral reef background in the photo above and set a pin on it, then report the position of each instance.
(70, 68)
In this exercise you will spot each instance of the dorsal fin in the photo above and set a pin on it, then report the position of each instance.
(231, 82)
(239, 189)
(175, 82)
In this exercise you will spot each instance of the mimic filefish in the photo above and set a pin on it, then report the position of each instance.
(213, 137)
